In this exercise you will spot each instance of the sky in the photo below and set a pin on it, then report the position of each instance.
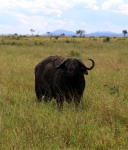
(19, 16)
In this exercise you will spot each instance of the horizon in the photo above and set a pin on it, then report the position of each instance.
(48, 16)
(67, 33)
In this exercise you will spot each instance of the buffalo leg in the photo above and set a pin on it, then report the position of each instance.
(47, 97)
(60, 102)
(38, 93)
(77, 100)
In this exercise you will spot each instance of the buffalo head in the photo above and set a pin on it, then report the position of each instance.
(73, 66)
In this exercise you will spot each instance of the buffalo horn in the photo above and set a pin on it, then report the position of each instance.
(82, 64)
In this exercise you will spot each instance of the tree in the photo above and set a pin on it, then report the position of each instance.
(62, 34)
(48, 33)
(32, 30)
(124, 32)
(80, 32)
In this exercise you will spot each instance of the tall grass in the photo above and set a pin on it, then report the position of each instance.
(100, 122)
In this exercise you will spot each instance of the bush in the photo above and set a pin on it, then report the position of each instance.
(56, 37)
(74, 54)
(107, 39)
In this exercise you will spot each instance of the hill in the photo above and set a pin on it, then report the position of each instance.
(71, 33)
(59, 32)
(104, 33)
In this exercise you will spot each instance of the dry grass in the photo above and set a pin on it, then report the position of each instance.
(100, 122)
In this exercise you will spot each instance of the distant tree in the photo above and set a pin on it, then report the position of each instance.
(48, 33)
(15, 34)
(63, 34)
(37, 34)
(32, 30)
(124, 32)
(80, 32)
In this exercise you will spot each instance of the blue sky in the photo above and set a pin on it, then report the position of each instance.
(19, 16)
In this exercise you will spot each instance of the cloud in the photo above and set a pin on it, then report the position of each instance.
(49, 15)
(117, 6)
(42, 12)
(39, 23)
(45, 6)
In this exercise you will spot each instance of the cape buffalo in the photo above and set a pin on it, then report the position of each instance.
(61, 78)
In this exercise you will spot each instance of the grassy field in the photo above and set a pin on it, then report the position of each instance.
(100, 122)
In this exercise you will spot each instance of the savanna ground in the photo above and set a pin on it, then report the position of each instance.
(100, 122)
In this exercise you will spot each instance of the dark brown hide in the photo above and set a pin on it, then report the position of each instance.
(61, 79)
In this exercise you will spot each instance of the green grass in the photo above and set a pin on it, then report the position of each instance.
(100, 122)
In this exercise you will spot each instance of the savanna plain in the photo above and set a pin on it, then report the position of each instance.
(101, 120)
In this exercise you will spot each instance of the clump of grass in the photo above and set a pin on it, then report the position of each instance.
(56, 37)
(74, 54)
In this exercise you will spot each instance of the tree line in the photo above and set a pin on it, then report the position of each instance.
(78, 32)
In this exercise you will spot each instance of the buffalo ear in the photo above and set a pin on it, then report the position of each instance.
(57, 63)
(84, 71)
